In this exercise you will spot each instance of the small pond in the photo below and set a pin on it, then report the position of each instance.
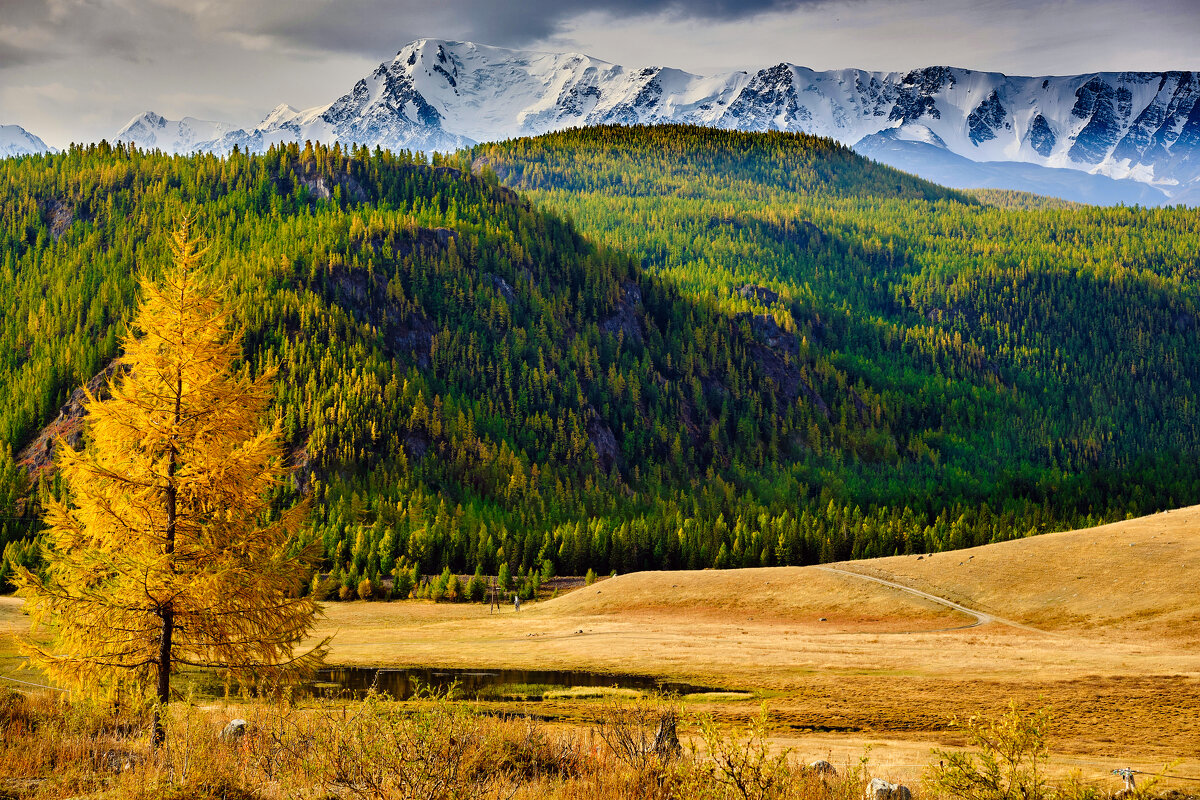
(497, 684)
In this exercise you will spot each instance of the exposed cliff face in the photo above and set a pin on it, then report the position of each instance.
(37, 458)
(626, 319)
(988, 118)
(1041, 137)
(406, 333)
(768, 102)
(439, 95)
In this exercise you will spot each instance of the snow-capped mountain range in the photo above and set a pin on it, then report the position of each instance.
(16, 141)
(153, 132)
(1142, 127)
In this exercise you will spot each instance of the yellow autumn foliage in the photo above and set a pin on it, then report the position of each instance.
(164, 551)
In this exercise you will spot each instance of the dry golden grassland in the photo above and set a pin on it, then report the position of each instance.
(1137, 580)
(1116, 650)
(1105, 632)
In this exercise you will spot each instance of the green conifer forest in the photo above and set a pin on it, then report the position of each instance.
(631, 348)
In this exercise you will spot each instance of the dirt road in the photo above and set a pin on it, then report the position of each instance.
(981, 617)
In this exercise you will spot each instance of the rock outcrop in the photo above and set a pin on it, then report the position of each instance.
(37, 458)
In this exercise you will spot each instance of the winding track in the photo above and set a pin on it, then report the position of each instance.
(981, 617)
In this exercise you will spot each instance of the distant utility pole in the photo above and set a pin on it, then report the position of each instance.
(493, 595)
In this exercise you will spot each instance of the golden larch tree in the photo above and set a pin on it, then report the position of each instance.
(163, 552)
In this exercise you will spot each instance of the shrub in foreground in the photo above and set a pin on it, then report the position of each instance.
(435, 749)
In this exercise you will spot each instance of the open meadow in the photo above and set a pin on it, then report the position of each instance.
(1105, 632)
(1099, 624)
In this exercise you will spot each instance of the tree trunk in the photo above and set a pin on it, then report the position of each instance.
(167, 613)
(159, 733)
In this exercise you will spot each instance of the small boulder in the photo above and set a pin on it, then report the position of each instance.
(235, 730)
(823, 768)
(882, 790)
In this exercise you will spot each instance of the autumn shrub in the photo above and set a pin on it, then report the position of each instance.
(371, 751)
(53, 749)
(642, 735)
(434, 748)
(1008, 759)
(743, 766)
(14, 711)
(524, 750)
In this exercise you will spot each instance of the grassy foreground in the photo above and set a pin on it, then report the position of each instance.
(438, 749)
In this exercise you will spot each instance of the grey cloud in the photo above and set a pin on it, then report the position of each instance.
(382, 26)
(128, 30)
(19, 13)
(13, 56)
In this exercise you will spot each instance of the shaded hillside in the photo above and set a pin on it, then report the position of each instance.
(1016, 357)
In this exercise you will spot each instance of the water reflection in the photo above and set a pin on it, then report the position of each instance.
(501, 684)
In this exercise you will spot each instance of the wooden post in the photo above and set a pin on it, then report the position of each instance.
(493, 595)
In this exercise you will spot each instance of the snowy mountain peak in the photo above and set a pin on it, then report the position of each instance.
(16, 141)
(280, 114)
(151, 131)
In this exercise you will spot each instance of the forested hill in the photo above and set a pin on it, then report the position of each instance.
(672, 161)
(463, 380)
(1036, 356)
(817, 357)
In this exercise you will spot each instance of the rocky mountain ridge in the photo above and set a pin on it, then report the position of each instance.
(439, 95)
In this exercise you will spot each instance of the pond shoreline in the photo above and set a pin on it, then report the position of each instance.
(403, 683)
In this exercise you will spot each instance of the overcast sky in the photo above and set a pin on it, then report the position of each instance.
(77, 70)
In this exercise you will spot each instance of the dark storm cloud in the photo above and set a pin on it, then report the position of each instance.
(382, 26)
(134, 30)
(34, 31)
